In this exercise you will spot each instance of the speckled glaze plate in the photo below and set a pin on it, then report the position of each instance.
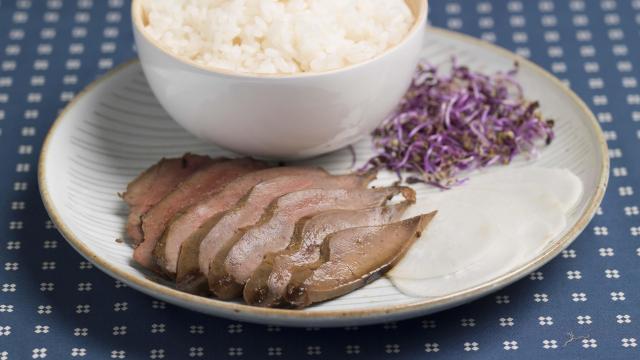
(116, 128)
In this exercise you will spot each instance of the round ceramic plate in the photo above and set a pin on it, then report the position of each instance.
(115, 129)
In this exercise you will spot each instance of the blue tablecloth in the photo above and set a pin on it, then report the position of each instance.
(583, 305)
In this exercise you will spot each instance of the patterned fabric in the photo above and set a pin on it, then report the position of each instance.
(584, 304)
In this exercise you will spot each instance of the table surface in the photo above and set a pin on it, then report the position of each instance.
(585, 304)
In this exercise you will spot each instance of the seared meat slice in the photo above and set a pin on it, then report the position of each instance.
(354, 257)
(188, 221)
(156, 182)
(214, 244)
(273, 233)
(268, 284)
(208, 180)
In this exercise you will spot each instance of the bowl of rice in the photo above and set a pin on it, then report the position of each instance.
(281, 79)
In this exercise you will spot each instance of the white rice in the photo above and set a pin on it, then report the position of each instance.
(277, 36)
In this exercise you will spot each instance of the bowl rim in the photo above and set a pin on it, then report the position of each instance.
(293, 317)
(418, 26)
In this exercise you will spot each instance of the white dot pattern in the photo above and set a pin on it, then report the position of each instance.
(56, 305)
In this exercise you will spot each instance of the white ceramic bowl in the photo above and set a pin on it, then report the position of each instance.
(280, 116)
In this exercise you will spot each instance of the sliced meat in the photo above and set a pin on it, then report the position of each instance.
(189, 220)
(268, 284)
(274, 232)
(215, 243)
(208, 180)
(353, 258)
(154, 184)
(188, 276)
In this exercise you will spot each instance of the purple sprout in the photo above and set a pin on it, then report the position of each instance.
(448, 124)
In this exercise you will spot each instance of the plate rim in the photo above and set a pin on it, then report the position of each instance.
(266, 315)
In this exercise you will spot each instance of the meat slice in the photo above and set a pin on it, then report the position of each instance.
(208, 180)
(189, 220)
(156, 182)
(215, 244)
(273, 233)
(268, 284)
(354, 257)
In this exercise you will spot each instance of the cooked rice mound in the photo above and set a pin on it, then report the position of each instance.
(277, 37)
